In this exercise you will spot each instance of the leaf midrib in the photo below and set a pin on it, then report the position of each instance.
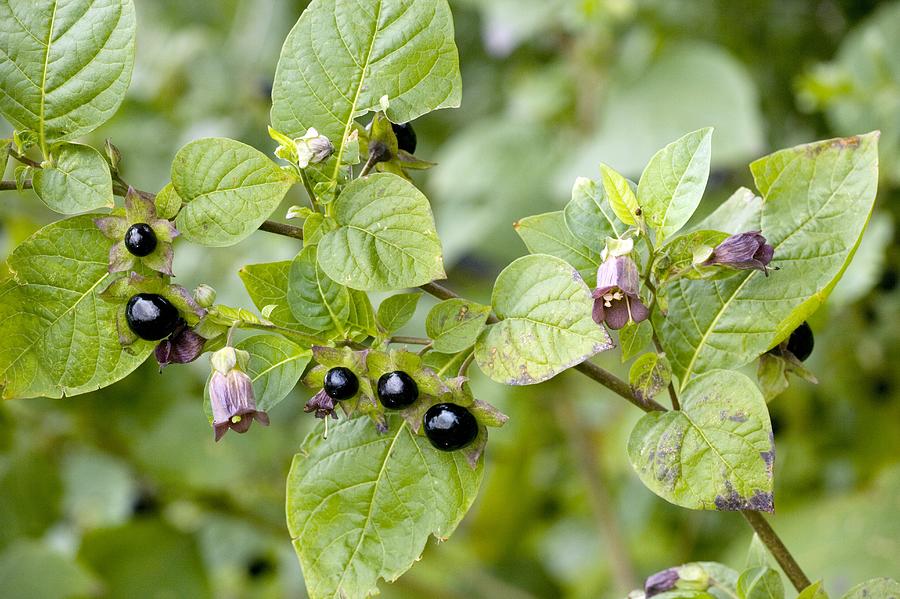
(362, 79)
(41, 129)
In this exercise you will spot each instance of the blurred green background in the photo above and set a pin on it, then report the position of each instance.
(123, 493)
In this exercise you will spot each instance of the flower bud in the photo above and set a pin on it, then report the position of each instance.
(182, 347)
(204, 295)
(744, 251)
(313, 148)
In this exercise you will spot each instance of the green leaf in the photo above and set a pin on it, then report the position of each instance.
(65, 64)
(342, 56)
(315, 300)
(716, 452)
(386, 238)
(589, 216)
(361, 505)
(814, 591)
(168, 202)
(634, 337)
(760, 583)
(621, 195)
(76, 181)
(454, 324)
(649, 375)
(267, 285)
(818, 198)
(395, 311)
(228, 189)
(680, 255)
(59, 337)
(757, 554)
(545, 323)
(886, 588)
(548, 234)
(362, 316)
(673, 182)
(275, 367)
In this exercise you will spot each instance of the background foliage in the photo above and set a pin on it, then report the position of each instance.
(123, 493)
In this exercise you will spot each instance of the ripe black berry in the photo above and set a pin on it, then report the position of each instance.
(406, 137)
(341, 383)
(801, 342)
(140, 239)
(397, 390)
(449, 426)
(151, 316)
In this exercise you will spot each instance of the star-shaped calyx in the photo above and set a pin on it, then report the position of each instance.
(139, 236)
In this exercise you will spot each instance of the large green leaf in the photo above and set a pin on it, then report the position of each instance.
(343, 56)
(361, 504)
(64, 64)
(315, 300)
(818, 198)
(545, 323)
(228, 189)
(386, 238)
(275, 367)
(717, 452)
(59, 337)
(76, 181)
(673, 182)
(548, 234)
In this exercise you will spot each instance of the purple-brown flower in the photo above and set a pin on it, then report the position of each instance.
(744, 251)
(322, 404)
(181, 347)
(616, 299)
(661, 582)
(231, 393)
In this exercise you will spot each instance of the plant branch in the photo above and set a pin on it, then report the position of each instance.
(22, 158)
(777, 548)
(409, 340)
(11, 185)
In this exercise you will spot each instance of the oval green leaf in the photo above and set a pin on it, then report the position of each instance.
(228, 190)
(315, 300)
(454, 324)
(716, 453)
(396, 310)
(77, 180)
(70, 67)
(545, 323)
(275, 367)
(59, 336)
(386, 237)
(361, 505)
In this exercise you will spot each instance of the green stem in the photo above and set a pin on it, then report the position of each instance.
(409, 340)
(309, 191)
(778, 550)
(11, 185)
(464, 367)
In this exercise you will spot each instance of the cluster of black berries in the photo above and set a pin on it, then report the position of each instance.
(447, 425)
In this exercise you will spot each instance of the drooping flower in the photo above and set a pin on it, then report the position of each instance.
(744, 251)
(322, 404)
(231, 393)
(616, 299)
(312, 148)
(139, 236)
(181, 347)
(661, 582)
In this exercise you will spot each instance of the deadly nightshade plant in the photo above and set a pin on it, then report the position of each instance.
(679, 297)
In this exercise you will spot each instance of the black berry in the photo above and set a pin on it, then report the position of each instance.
(406, 137)
(341, 383)
(151, 316)
(801, 342)
(259, 566)
(397, 390)
(140, 239)
(449, 426)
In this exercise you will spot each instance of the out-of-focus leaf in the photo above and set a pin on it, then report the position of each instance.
(29, 570)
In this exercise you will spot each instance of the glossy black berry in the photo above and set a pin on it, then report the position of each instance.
(341, 383)
(151, 316)
(397, 390)
(801, 342)
(140, 239)
(406, 137)
(449, 426)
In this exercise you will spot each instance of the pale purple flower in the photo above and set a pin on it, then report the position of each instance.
(616, 299)
(231, 394)
(744, 251)
(661, 582)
